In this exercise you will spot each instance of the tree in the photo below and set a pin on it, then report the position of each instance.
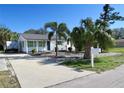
(59, 30)
(92, 34)
(36, 31)
(118, 33)
(14, 36)
(89, 31)
(109, 16)
(77, 38)
(5, 35)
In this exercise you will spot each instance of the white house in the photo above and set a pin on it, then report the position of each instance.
(28, 42)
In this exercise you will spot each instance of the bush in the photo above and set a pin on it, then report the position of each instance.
(33, 51)
(70, 49)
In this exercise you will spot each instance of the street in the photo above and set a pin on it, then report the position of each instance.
(109, 79)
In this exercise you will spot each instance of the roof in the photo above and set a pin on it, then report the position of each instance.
(36, 36)
(120, 40)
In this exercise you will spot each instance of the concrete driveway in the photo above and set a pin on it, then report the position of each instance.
(3, 66)
(42, 72)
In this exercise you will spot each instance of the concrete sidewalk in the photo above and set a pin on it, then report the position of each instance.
(35, 74)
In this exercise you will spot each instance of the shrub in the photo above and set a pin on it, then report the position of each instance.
(70, 49)
(33, 51)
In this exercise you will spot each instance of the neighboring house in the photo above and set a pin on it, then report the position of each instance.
(120, 43)
(28, 42)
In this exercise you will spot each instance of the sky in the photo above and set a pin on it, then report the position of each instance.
(20, 18)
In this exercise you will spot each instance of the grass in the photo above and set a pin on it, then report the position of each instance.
(117, 49)
(101, 63)
(8, 81)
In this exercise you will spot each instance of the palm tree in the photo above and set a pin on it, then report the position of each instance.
(89, 39)
(5, 35)
(76, 37)
(59, 30)
(93, 33)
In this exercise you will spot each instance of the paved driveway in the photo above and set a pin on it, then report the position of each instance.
(3, 66)
(42, 72)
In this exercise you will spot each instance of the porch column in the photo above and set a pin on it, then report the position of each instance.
(37, 45)
(26, 46)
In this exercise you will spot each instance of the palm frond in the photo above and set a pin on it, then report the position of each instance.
(62, 27)
(51, 25)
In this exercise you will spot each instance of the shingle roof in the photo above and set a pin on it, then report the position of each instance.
(36, 36)
(120, 40)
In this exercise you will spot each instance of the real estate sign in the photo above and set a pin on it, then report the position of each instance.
(94, 52)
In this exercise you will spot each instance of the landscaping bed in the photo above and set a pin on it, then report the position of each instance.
(8, 81)
(101, 63)
(8, 78)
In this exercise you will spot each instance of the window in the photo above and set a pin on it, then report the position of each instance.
(30, 43)
(34, 43)
(22, 44)
(42, 43)
(59, 42)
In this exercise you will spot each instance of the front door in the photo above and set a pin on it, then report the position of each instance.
(48, 45)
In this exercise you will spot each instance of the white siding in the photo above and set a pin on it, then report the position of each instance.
(64, 46)
(52, 45)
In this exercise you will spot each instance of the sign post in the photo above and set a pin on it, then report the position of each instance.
(94, 51)
(92, 57)
(92, 60)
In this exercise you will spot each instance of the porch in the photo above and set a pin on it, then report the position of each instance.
(39, 45)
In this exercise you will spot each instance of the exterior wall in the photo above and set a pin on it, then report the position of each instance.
(119, 43)
(52, 45)
(64, 46)
(69, 45)
(39, 49)
(27, 49)
(20, 40)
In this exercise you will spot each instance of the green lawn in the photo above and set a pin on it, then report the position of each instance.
(118, 50)
(7, 81)
(101, 63)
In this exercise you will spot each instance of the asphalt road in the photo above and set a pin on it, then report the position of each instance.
(109, 79)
